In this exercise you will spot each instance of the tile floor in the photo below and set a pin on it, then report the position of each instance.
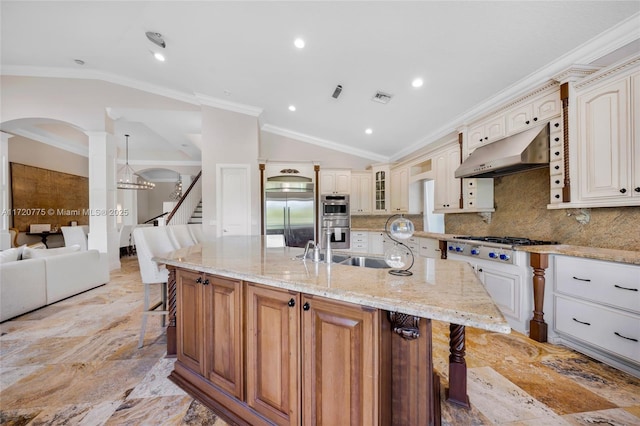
(77, 363)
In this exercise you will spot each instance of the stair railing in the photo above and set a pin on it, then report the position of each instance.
(187, 204)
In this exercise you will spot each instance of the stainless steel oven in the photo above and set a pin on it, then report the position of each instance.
(336, 218)
(335, 205)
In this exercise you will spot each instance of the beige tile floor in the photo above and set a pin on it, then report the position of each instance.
(77, 363)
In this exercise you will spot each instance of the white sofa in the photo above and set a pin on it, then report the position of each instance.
(30, 284)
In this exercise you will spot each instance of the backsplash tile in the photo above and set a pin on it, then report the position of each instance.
(521, 211)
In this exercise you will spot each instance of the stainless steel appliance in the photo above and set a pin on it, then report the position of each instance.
(523, 151)
(289, 210)
(335, 216)
(504, 271)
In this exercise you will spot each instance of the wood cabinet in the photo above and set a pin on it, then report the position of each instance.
(335, 181)
(361, 191)
(189, 320)
(273, 348)
(340, 371)
(608, 143)
(597, 309)
(210, 311)
(447, 187)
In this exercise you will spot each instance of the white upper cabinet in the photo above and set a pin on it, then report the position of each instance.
(533, 113)
(608, 165)
(335, 181)
(361, 190)
(447, 187)
(400, 190)
(485, 132)
(380, 174)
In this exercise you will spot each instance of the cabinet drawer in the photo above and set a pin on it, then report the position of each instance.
(556, 153)
(555, 139)
(556, 167)
(613, 284)
(556, 194)
(364, 247)
(613, 331)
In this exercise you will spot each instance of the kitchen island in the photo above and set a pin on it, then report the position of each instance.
(262, 337)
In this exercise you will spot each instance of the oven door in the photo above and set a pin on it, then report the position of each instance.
(335, 209)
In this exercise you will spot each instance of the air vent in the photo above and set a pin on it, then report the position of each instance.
(382, 97)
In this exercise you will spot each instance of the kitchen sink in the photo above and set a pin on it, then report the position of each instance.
(362, 261)
(365, 262)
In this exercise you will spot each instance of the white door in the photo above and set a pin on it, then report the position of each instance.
(234, 199)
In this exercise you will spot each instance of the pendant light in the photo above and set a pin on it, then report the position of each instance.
(128, 178)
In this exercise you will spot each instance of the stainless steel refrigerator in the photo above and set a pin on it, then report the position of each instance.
(290, 213)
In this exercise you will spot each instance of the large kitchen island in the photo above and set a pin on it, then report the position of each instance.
(263, 337)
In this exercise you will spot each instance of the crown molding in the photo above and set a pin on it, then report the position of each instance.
(575, 72)
(323, 143)
(619, 67)
(228, 105)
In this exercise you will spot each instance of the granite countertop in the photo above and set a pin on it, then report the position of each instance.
(445, 290)
(596, 253)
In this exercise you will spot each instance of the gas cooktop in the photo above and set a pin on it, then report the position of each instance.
(512, 241)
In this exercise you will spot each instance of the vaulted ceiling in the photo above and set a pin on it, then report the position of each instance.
(241, 54)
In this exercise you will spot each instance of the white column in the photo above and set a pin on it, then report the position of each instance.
(186, 181)
(5, 237)
(103, 233)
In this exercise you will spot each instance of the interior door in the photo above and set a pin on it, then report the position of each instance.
(234, 199)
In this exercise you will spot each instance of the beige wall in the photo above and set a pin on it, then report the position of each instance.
(521, 211)
(150, 200)
(32, 153)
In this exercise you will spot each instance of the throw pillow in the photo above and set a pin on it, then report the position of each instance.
(30, 253)
(9, 255)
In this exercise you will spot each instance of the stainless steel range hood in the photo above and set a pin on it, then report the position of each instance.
(523, 151)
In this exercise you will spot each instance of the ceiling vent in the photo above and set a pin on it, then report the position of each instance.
(337, 91)
(382, 97)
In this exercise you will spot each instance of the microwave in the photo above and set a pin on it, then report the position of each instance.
(335, 205)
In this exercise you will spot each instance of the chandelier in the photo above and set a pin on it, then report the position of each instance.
(128, 178)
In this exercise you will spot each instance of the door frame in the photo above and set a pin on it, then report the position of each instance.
(220, 169)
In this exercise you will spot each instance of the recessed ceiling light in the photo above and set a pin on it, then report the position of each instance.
(417, 82)
(159, 56)
(368, 131)
(292, 107)
(299, 43)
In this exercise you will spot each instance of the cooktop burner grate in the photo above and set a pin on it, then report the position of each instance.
(515, 241)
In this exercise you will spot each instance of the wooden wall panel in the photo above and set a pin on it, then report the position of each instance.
(46, 196)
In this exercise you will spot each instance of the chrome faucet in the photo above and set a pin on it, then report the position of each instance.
(327, 250)
(307, 247)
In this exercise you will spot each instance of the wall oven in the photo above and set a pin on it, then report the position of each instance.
(335, 216)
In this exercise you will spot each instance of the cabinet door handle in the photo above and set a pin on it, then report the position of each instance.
(535, 118)
(625, 337)
(557, 125)
(480, 270)
(306, 306)
(582, 322)
(582, 279)
(623, 190)
(526, 122)
(637, 189)
(199, 280)
(206, 282)
(292, 302)
(625, 288)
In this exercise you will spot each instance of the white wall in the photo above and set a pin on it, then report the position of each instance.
(275, 147)
(228, 138)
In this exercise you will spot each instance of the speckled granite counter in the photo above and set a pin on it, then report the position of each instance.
(612, 255)
(622, 256)
(441, 290)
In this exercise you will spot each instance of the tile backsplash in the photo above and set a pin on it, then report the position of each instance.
(521, 211)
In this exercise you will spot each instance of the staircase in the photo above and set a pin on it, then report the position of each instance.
(196, 216)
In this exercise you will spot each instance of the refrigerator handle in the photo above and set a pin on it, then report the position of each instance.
(289, 223)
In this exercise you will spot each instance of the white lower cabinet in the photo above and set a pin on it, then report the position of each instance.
(430, 248)
(597, 309)
(360, 241)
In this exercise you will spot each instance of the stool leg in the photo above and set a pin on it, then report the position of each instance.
(163, 290)
(144, 315)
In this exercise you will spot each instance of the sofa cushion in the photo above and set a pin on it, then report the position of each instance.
(30, 253)
(9, 255)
